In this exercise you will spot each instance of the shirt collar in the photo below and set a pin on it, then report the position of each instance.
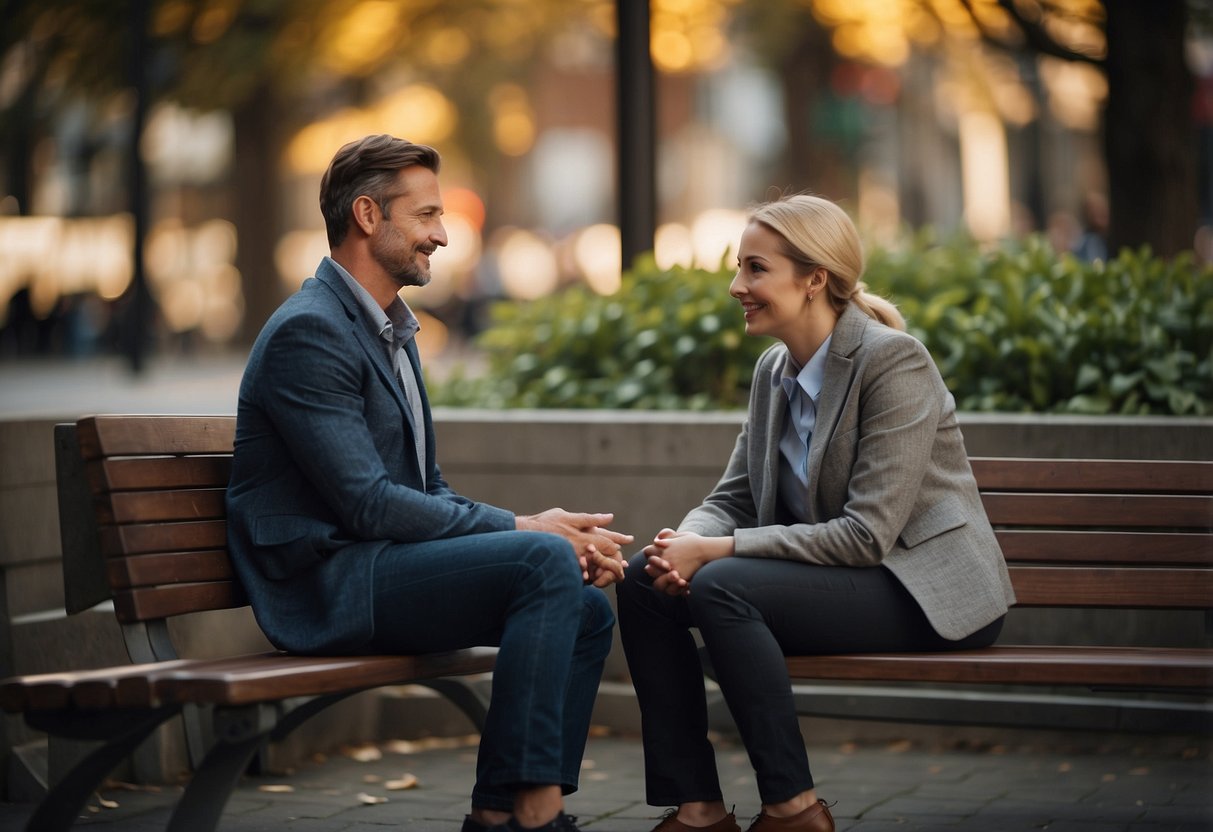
(397, 324)
(810, 377)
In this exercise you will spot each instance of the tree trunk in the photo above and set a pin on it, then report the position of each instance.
(807, 164)
(256, 161)
(1149, 138)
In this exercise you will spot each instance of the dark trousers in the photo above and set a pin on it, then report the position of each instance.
(751, 612)
(522, 592)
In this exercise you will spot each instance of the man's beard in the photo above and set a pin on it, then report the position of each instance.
(405, 271)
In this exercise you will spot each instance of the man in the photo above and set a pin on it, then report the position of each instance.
(344, 533)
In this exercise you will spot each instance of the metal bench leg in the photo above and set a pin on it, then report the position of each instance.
(464, 696)
(239, 733)
(120, 733)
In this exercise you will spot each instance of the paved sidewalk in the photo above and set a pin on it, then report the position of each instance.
(1082, 783)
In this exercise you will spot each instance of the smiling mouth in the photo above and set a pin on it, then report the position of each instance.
(751, 309)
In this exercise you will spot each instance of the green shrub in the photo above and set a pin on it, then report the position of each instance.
(1019, 328)
(668, 339)
(1015, 328)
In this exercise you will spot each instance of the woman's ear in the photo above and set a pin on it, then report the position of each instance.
(366, 214)
(817, 280)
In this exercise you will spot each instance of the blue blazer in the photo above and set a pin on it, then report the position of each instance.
(325, 473)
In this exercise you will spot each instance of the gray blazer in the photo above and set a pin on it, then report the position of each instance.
(889, 479)
(325, 473)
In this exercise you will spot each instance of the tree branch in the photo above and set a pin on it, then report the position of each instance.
(1036, 38)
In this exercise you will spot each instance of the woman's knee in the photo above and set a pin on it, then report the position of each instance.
(714, 590)
(634, 580)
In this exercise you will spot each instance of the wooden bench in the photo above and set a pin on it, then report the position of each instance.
(142, 521)
(1116, 535)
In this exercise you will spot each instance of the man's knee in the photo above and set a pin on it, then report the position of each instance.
(550, 557)
(597, 618)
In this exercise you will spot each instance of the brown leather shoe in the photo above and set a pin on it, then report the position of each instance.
(816, 818)
(671, 823)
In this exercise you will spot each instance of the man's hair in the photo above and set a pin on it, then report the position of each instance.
(368, 166)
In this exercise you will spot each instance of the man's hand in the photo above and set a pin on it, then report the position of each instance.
(598, 548)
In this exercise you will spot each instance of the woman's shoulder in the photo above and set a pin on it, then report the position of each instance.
(879, 339)
(772, 356)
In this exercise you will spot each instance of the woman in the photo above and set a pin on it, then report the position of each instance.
(846, 521)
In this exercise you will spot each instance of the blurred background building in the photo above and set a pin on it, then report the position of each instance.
(1091, 121)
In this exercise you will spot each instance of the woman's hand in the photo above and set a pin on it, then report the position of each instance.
(675, 557)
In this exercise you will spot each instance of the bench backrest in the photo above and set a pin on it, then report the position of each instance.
(1103, 533)
(1077, 533)
(157, 485)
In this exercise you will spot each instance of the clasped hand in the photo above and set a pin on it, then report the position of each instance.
(598, 548)
(674, 557)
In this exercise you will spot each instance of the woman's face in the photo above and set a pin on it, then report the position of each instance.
(774, 297)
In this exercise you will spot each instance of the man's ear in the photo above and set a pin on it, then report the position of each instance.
(366, 214)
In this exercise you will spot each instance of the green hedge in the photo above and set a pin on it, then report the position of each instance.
(1015, 328)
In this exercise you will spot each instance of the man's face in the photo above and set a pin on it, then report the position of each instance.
(412, 227)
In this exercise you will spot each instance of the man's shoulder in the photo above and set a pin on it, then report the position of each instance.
(312, 298)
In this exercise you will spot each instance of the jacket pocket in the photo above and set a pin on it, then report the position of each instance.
(945, 516)
(286, 545)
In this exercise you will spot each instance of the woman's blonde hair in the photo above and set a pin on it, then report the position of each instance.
(816, 232)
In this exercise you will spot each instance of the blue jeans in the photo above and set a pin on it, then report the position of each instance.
(750, 613)
(521, 592)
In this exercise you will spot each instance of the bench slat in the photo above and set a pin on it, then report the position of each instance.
(1141, 588)
(169, 568)
(155, 435)
(146, 473)
(95, 687)
(148, 538)
(1156, 548)
(241, 680)
(245, 680)
(1087, 475)
(1116, 510)
(149, 604)
(150, 506)
(1148, 667)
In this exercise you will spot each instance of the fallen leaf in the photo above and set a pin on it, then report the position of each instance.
(406, 781)
(276, 788)
(363, 753)
(370, 799)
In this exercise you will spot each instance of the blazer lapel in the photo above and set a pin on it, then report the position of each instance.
(776, 413)
(374, 348)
